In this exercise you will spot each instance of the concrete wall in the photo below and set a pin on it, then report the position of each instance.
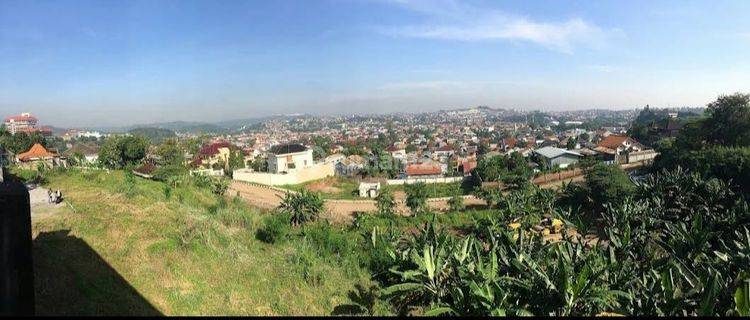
(425, 180)
(645, 155)
(317, 171)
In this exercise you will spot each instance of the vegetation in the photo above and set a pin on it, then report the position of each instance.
(416, 197)
(20, 142)
(385, 201)
(512, 170)
(190, 254)
(121, 151)
(155, 135)
(302, 206)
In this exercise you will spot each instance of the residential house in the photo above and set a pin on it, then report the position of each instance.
(38, 155)
(616, 147)
(89, 152)
(288, 157)
(424, 170)
(553, 156)
(213, 154)
(397, 152)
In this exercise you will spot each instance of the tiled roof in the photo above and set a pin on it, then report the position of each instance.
(613, 141)
(213, 148)
(37, 151)
(423, 169)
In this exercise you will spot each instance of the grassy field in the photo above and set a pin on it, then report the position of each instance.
(128, 246)
(440, 190)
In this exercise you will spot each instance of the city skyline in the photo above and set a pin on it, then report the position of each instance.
(122, 63)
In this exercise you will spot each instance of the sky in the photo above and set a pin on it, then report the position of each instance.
(111, 63)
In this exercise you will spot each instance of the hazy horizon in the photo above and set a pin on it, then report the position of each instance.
(101, 64)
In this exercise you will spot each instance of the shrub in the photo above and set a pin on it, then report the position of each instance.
(416, 197)
(385, 201)
(303, 206)
(274, 229)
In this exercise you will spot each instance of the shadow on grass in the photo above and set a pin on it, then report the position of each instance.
(72, 279)
(363, 302)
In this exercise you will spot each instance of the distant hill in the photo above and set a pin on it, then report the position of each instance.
(153, 134)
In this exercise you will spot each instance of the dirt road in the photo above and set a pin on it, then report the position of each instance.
(336, 210)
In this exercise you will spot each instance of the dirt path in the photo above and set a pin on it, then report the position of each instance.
(336, 210)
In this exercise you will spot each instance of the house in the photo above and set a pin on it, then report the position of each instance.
(368, 189)
(37, 156)
(615, 147)
(350, 165)
(397, 152)
(467, 166)
(557, 157)
(288, 157)
(89, 152)
(444, 152)
(668, 127)
(424, 170)
(216, 153)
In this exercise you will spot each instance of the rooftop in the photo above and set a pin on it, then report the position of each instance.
(552, 152)
(37, 151)
(282, 149)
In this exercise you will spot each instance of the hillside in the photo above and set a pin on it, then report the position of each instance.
(153, 134)
(124, 247)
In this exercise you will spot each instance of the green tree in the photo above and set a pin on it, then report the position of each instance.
(385, 201)
(608, 184)
(456, 201)
(303, 206)
(416, 197)
(170, 153)
(121, 151)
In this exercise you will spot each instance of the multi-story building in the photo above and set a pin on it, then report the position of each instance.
(26, 123)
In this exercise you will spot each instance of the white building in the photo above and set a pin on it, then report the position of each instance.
(289, 157)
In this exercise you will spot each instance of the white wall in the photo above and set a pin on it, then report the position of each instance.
(317, 171)
(425, 180)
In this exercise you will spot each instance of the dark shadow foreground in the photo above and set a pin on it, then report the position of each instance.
(72, 279)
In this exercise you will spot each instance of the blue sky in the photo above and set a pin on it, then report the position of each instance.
(86, 63)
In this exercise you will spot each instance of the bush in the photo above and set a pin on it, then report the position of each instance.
(385, 201)
(329, 241)
(275, 228)
(416, 197)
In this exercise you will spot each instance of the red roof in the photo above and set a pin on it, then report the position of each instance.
(37, 151)
(445, 148)
(510, 142)
(393, 149)
(423, 169)
(213, 148)
(468, 166)
(21, 117)
(613, 141)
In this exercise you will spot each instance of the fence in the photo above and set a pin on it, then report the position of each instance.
(424, 180)
(552, 177)
(318, 171)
